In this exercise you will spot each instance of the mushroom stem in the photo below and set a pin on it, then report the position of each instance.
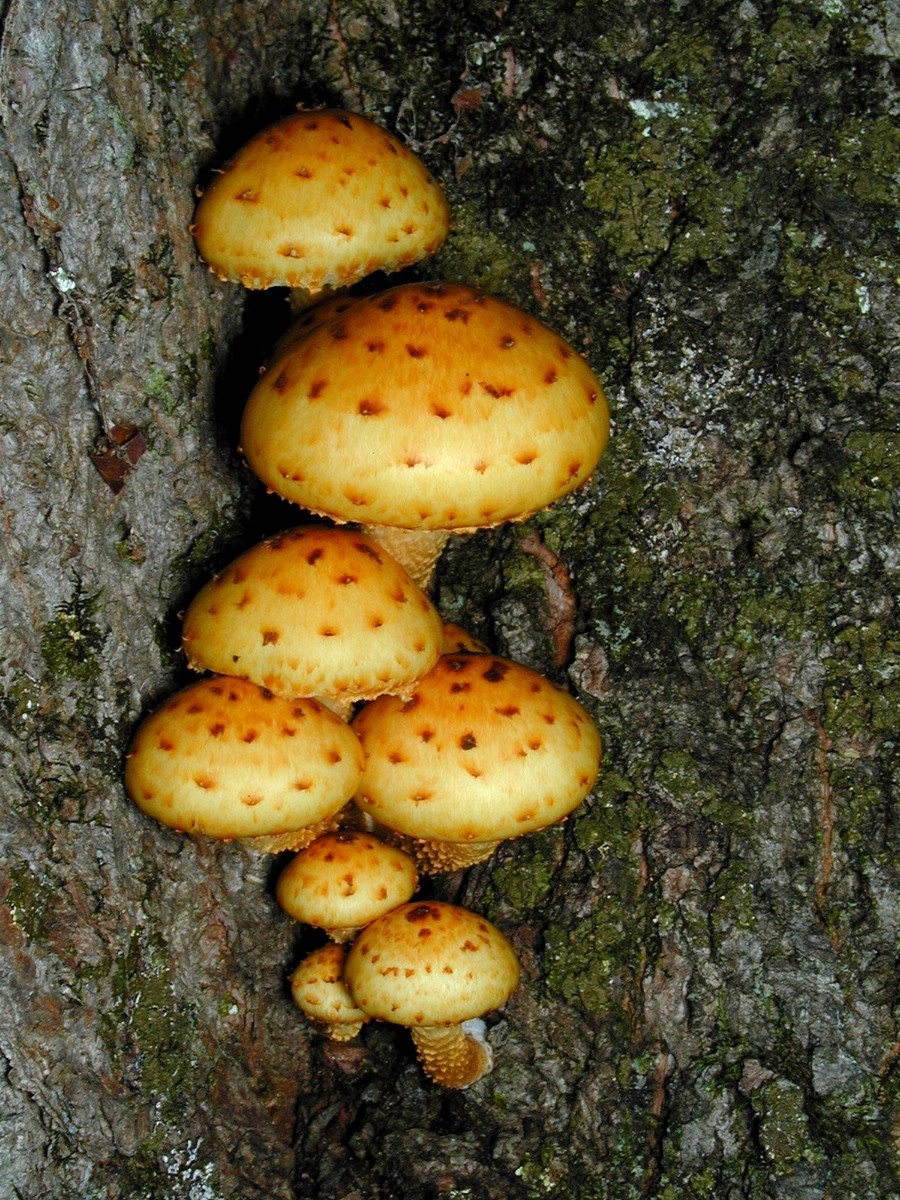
(301, 298)
(454, 1056)
(417, 550)
(341, 706)
(293, 839)
(435, 858)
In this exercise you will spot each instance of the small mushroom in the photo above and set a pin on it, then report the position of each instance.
(342, 881)
(434, 967)
(442, 409)
(226, 759)
(483, 749)
(316, 612)
(318, 990)
(319, 200)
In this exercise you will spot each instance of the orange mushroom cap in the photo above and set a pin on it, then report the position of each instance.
(482, 750)
(319, 199)
(433, 967)
(318, 990)
(225, 759)
(428, 407)
(318, 612)
(342, 881)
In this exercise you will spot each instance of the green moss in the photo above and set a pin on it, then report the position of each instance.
(131, 548)
(159, 389)
(871, 478)
(150, 1025)
(656, 189)
(188, 376)
(477, 256)
(167, 43)
(208, 345)
(72, 643)
(678, 776)
(824, 276)
(20, 704)
(524, 881)
(607, 826)
(783, 1126)
(593, 964)
(164, 1167)
(28, 900)
(736, 904)
(863, 692)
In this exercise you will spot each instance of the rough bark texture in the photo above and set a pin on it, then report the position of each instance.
(700, 197)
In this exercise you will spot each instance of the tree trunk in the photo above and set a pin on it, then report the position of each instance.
(701, 199)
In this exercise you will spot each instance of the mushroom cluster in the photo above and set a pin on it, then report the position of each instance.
(338, 719)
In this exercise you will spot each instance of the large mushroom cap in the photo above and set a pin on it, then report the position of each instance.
(431, 406)
(315, 612)
(225, 759)
(484, 749)
(343, 881)
(319, 199)
(428, 963)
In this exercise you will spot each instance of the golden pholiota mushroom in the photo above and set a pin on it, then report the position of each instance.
(226, 759)
(319, 200)
(435, 968)
(317, 612)
(484, 749)
(342, 881)
(456, 639)
(428, 409)
(319, 991)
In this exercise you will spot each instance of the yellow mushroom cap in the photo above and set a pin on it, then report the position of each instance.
(315, 612)
(226, 759)
(319, 199)
(484, 749)
(318, 990)
(457, 639)
(430, 963)
(343, 881)
(430, 406)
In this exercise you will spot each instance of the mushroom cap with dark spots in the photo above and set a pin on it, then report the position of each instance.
(315, 611)
(318, 990)
(431, 406)
(343, 881)
(225, 759)
(429, 963)
(483, 749)
(319, 199)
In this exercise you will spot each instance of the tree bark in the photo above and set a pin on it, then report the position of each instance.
(702, 200)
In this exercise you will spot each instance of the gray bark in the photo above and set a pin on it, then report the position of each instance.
(703, 200)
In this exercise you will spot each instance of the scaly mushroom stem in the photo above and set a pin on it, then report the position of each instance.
(436, 858)
(338, 1033)
(454, 1056)
(416, 550)
(293, 839)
